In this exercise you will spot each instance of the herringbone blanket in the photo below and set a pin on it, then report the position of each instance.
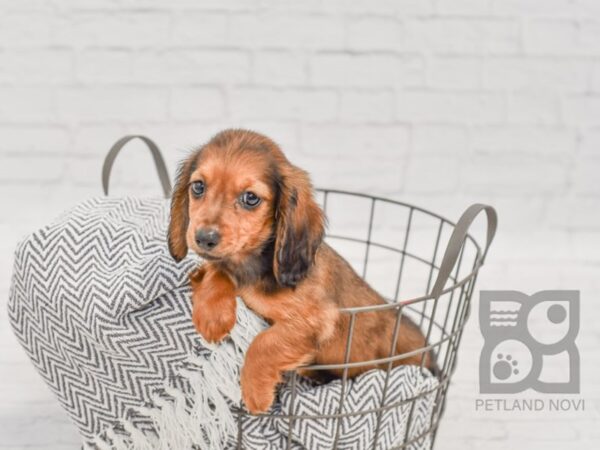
(104, 314)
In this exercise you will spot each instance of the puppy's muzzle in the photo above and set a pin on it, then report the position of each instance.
(207, 238)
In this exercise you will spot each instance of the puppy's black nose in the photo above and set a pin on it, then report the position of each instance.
(207, 238)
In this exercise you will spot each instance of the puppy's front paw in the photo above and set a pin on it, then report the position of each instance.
(212, 324)
(257, 393)
(258, 401)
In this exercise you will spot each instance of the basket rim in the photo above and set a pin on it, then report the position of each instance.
(394, 304)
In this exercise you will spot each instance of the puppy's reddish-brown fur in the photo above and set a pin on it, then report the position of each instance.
(272, 255)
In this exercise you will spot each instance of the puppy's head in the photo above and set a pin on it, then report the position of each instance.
(237, 196)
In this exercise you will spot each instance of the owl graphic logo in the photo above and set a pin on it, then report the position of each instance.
(529, 342)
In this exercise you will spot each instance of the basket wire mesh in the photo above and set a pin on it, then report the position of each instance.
(417, 289)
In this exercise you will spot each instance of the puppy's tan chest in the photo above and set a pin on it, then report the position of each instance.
(310, 311)
(261, 303)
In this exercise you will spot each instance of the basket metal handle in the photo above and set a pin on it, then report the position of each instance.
(159, 162)
(457, 240)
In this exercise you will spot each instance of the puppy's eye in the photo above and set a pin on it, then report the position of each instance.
(249, 200)
(197, 188)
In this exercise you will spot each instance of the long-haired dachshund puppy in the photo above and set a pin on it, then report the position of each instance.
(244, 208)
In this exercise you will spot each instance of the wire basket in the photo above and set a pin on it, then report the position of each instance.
(396, 247)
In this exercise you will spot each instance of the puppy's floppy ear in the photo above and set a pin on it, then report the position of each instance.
(179, 211)
(299, 227)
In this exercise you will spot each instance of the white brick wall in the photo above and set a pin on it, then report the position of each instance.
(436, 102)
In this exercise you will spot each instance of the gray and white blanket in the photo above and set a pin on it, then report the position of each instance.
(104, 314)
